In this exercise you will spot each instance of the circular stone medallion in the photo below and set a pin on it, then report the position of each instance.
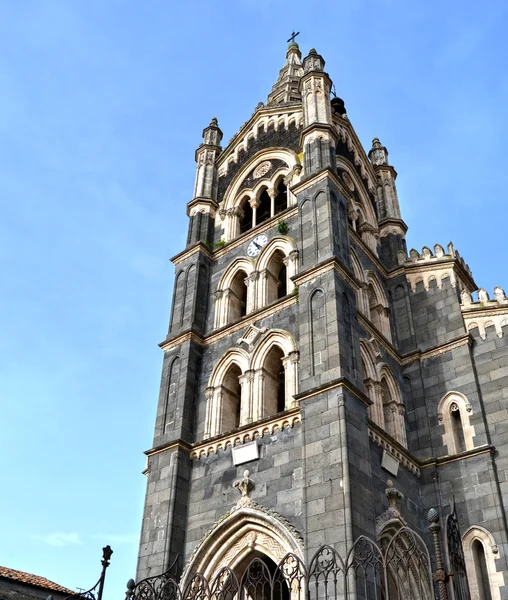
(262, 169)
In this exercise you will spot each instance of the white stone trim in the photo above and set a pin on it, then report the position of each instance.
(491, 550)
(455, 399)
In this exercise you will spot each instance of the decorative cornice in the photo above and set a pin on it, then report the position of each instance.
(251, 318)
(218, 334)
(392, 226)
(443, 460)
(247, 433)
(178, 444)
(379, 337)
(331, 385)
(385, 441)
(311, 180)
(188, 252)
(186, 336)
(332, 264)
(464, 340)
(202, 202)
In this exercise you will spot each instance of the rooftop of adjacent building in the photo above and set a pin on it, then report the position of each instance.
(30, 579)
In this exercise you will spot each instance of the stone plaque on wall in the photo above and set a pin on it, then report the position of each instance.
(244, 453)
(390, 463)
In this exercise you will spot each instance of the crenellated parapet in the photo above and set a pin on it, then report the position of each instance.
(484, 312)
(437, 265)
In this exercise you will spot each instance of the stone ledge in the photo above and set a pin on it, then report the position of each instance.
(247, 433)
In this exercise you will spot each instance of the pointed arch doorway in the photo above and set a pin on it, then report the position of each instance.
(248, 546)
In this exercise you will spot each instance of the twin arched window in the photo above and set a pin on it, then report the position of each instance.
(245, 388)
(387, 409)
(370, 298)
(249, 285)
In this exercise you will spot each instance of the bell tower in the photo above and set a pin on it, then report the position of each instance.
(308, 355)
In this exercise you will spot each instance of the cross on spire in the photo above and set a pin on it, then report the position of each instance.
(293, 35)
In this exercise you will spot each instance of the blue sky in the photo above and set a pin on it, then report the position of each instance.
(102, 105)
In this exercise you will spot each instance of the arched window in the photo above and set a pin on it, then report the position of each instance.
(264, 209)
(276, 277)
(274, 383)
(231, 399)
(481, 572)
(246, 220)
(238, 297)
(234, 298)
(171, 396)
(378, 306)
(457, 428)
(480, 553)
(371, 384)
(388, 407)
(454, 413)
(393, 407)
(281, 198)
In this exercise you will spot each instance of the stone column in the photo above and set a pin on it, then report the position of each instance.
(290, 363)
(254, 202)
(219, 309)
(272, 192)
(246, 382)
(252, 284)
(209, 424)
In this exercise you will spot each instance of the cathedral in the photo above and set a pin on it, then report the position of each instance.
(322, 384)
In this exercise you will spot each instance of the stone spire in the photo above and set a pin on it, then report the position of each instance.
(286, 86)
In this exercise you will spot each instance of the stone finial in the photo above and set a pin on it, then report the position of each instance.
(212, 135)
(131, 584)
(499, 294)
(392, 513)
(393, 495)
(438, 251)
(244, 485)
(378, 154)
(432, 516)
(465, 298)
(313, 62)
(483, 295)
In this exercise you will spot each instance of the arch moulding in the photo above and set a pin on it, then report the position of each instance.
(248, 527)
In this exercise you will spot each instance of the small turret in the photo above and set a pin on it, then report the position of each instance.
(206, 155)
(313, 62)
(387, 199)
(319, 136)
(201, 209)
(212, 135)
(378, 154)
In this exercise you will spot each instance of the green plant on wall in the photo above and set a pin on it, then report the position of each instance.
(283, 228)
(220, 244)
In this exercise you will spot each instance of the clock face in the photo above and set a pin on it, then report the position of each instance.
(255, 247)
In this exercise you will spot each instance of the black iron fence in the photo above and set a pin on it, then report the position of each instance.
(399, 569)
